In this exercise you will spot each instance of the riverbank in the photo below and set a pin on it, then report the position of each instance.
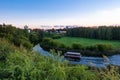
(96, 50)
(89, 61)
(68, 41)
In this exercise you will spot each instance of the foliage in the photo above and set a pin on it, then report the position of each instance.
(87, 47)
(101, 32)
(77, 46)
(26, 44)
(21, 64)
(100, 47)
(5, 49)
(16, 36)
(103, 47)
(34, 38)
(56, 36)
(49, 43)
(112, 73)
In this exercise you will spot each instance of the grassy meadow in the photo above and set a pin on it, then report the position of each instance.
(68, 41)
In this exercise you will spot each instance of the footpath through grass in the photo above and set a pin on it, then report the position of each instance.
(68, 41)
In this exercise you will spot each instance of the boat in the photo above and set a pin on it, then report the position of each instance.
(75, 56)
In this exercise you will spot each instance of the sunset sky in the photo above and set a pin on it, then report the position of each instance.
(59, 12)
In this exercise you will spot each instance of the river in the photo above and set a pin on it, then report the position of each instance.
(89, 61)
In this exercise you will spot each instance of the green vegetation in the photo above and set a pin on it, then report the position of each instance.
(53, 35)
(77, 46)
(15, 35)
(49, 43)
(21, 64)
(90, 47)
(21, 37)
(68, 41)
(100, 32)
(98, 49)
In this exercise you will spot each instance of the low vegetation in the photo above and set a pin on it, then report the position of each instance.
(49, 43)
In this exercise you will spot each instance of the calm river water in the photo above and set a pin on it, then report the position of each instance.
(89, 61)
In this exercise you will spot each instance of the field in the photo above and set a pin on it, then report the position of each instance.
(68, 41)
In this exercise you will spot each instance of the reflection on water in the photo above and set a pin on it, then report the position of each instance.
(89, 61)
(37, 48)
(92, 61)
(115, 60)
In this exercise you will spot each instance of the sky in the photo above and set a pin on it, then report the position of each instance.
(59, 12)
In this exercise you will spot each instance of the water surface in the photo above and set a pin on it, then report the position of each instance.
(89, 61)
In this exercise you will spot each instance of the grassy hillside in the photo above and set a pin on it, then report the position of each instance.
(68, 41)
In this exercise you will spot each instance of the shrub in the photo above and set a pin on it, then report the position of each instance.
(56, 36)
(51, 43)
(92, 48)
(77, 46)
(5, 74)
(62, 46)
(5, 49)
(26, 44)
(80, 73)
(100, 47)
(112, 73)
(34, 38)
(103, 47)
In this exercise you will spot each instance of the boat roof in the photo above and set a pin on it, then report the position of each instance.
(72, 53)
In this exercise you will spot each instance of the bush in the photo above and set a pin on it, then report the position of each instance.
(37, 67)
(80, 73)
(56, 36)
(5, 74)
(34, 38)
(26, 44)
(103, 47)
(51, 43)
(5, 49)
(62, 46)
(91, 48)
(100, 47)
(112, 73)
(77, 46)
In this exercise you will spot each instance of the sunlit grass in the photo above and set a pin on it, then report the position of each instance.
(68, 41)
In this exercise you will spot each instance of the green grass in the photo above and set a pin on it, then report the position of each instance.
(68, 41)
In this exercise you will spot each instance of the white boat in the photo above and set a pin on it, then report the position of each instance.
(72, 56)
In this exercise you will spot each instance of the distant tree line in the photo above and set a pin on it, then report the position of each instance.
(101, 32)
